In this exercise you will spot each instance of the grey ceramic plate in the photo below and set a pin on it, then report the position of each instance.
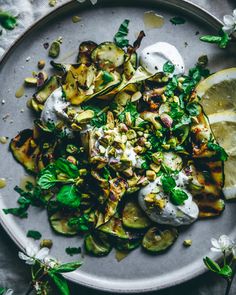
(139, 272)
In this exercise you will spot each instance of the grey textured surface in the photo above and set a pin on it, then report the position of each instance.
(14, 274)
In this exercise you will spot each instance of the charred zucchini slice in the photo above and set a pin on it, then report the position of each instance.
(124, 245)
(97, 245)
(208, 207)
(108, 56)
(114, 228)
(85, 50)
(25, 150)
(44, 92)
(59, 223)
(134, 217)
(216, 170)
(157, 241)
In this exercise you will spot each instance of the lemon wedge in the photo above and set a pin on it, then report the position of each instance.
(218, 94)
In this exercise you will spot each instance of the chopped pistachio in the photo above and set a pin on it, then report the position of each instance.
(151, 175)
(72, 160)
(166, 146)
(124, 138)
(131, 134)
(55, 49)
(176, 99)
(83, 172)
(138, 149)
(156, 168)
(173, 142)
(84, 117)
(128, 119)
(31, 81)
(148, 144)
(46, 243)
(41, 64)
(163, 97)
(3, 139)
(157, 157)
(187, 243)
(140, 133)
(128, 172)
(136, 96)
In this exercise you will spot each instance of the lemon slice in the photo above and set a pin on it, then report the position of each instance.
(218, 94)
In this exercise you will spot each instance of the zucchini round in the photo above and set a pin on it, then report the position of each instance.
(59, 223)
(85, 50)
(114, 228)
(157, 241)
(97, 246)
(108, 56)
(127, 245)
(134, 217)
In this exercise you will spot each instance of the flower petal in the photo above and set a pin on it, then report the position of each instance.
(23, 256)
(225, 242)
(228, 30)
(31, 251)
(234, 12)
(9, 292)
(215, 249)
(93, 1)
(30, 261)
(215, 243)
(228, 20)
(42, 253)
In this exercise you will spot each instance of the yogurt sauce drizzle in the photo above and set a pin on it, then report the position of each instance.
(153, 58)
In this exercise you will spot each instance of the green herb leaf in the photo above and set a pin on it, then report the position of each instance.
(7, 20)
(226, 271)
(106, 77)
(193, 108)
(178, 196)
(59, 282)
(19, 212)
(69, 196)
(168, 183)
(34, 234)
(211, 265)
(177, 20)
(73, 250)
(123, 31)
(67, 267)
(2, 290)
(222, 40)
(47, 180)
(220, 152)
(82, 222)
(211, 39)
(168, 67)
(171, 86)
(67, 167)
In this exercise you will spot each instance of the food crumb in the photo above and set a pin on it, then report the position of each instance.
(28, 59)
(76, 19)
(3, 101)
(52, 3)
(46, 243)
(46, 45)
(6, 116)
(22, 110)
(3, 139)
(187, 243)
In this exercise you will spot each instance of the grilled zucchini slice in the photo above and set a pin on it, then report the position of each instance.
(46, 90)
(85, 50)
(114, 228)
(97, 245)
(134, 217)
(59, 223)
(108, 56)
(127, 245)
(25, 150)
(157, 241)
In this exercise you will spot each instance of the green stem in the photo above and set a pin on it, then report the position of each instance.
(229, 283)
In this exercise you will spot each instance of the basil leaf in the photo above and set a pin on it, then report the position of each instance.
(19, 212)
(73, 250)
(177, 20)
(220, 152)
(34, 234)
(67, 167)
(67, 267)
(131, 108)
(168, 183)
(82, 222)
(47, 180)
(7, 20)
(211, 265)
(59, 282)
(222, 39)
(171, 86)
(211, 39)
(69, 196)
(226, 271)
(123, 31)
(168, 67)
(2, 290)
(178, 196)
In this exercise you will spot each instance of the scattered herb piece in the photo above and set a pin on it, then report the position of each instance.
(76, 19)
(131, 108)
(222, 40)
(220, 152)
(34, 234)
(69, 196)
(193, 108)
(46, 45)
(202, 61)
(7, 21)
(82, 222)
(168, 183)
(177, 20)
(73, 250)
(168, 67)
(123, 31)
(171, 86)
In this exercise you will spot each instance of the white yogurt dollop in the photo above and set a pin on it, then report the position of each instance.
(170, 214)
(54, 107)
(153, 58)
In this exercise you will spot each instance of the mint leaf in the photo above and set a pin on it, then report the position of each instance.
(220, 152)
(47, 180)
(82, 222)
(73, 250)
(34, 234)
(171, 86)
(178, 196)
(193, 109)
(69, 196)
(168, 67)
(67, 267)
(177, 20)
(222, 40)
(123, 31)
(67, 167)
(60, 282)
(168, 183)
(7, 20)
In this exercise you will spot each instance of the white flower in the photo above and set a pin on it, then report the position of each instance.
(50, 262)
(8, 292)
(229, 23)
(224, 244)
(32, 254)
(92, 1)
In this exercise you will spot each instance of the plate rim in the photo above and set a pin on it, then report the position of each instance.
(19, 241)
